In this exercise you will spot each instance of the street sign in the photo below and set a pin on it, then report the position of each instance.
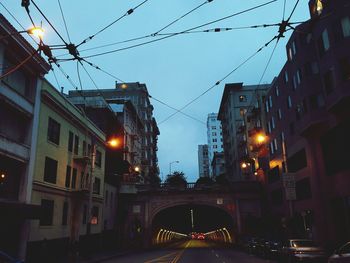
(136, 209)
(291, 194)
(288, 180)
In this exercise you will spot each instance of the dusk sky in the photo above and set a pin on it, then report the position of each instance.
(175, 70)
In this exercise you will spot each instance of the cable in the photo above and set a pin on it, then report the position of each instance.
(284, 9)
(218, 82)
(193, 28)
(210, 30)
(185, 114)
(78, 73)
(92, 80)
(54, 74)
(48, 21)
(19, 65)
(178, 19)
(102, 70)
(65, 75)
(9, 12)
(129, 12)
(295, 6)
(153, 34)
(64, 20)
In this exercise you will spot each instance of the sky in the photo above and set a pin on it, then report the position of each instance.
(175, 70)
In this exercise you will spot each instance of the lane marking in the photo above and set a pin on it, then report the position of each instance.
(161, 258)
(177, 258)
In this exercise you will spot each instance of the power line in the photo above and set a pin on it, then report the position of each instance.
(102, 70)
(129, 12)
(153, 34)
(92, 80)
(295, 6)
(185, 114)
(65, 75)
(78, 73)
(19, 65)
(175, 34)
(219, 81)
(48, 21)
(64, 20)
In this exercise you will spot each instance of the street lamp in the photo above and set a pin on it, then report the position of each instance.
(170, 166)
(35, 31)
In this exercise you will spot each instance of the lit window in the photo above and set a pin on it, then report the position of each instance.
(242, 98)
(270, 102)
(279, 114)
(285, 76)
(273, 122)
(319, 6)
(289, 102)
(277, 91)
(345, 24)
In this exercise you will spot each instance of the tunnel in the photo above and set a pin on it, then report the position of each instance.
(189, 221)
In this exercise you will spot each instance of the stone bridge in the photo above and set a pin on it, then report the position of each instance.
(139, 207)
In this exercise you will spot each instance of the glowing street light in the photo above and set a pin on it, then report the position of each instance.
(244, 165)
(261, 138)
(36, 31)
(113, 142)
(137, 169)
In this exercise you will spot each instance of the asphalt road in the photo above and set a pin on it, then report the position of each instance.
(190, 251)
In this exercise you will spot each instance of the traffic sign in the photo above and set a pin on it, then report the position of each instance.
(291, 194)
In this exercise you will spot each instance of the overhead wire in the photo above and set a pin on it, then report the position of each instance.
(48, 21)
(173, 108)
(175, 34)
(12, 70)
(64, 20)
(102, 70)
(219, 81)
(129, 12)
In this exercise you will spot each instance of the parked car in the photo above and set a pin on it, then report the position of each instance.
(251, 246)
(341, 255)
(5, 258)
(301, 250)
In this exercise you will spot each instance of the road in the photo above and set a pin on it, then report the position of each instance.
(196, 251)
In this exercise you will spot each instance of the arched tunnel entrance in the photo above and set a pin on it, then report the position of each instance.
(192, 221)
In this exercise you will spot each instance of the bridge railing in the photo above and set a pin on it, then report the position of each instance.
(232, 187)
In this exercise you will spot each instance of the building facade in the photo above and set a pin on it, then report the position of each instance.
(308, 124)
(19, 105)
(215, 141)
(137, 94)
(203, 160)
(68, 173)
(218, 164)
(236, 99)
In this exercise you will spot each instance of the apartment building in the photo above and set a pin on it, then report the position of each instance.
(203, 160)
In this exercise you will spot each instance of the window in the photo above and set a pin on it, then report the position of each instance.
(303, 189)
(242, 98)
(345, 68)
(50, 170)
(267, 108)
(213, 127)
(275, 146)
(65, 214)
(277, 91)
(279, 114)
(74, 178)
(289, 102)
(345, 25)
(97, 186)
(270, 102)
(76, 144)
(294, 81)
(215, 140)
(311, 68)
(94, 213)
(215, 146)
(53, 131)
(272, 150)
(273, 126)
(298, 76)
(269, 130)
(323, 42)
(70, 141)
(68, 176)
(213, 133)
(297, 161)
(285, 77)
(46, 218)
(328, 80)
(98, 160)
(84, 148)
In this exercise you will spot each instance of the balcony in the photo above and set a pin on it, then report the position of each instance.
(312, 123)
(82, 159)
(254, 131)
(338, 101)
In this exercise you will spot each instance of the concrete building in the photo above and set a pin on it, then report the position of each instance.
(137, 94)
(64, 179)
(218, 164)
(308, 126)
(232, 113)
(203, 160)
(214, 135)
(19, 106)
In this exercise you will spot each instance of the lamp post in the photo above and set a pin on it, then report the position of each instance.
(170, 166)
